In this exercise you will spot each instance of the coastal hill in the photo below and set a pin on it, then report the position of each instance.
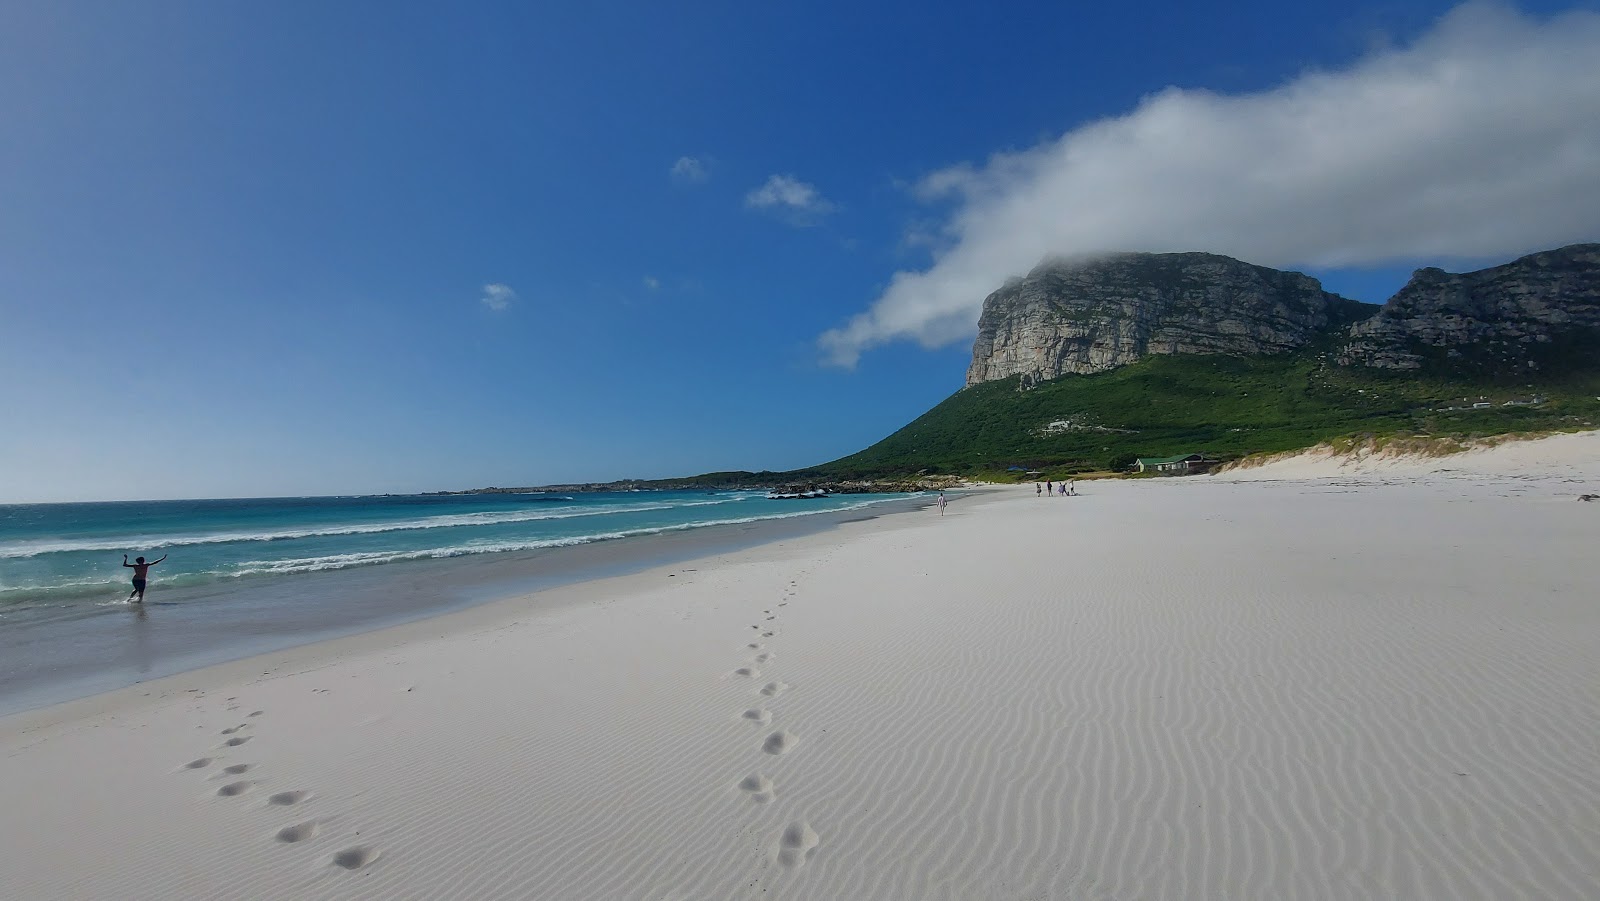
(1081, 366)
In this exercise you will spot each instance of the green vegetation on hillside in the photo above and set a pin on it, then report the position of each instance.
(1222, 405)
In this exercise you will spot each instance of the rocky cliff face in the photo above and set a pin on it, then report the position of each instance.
(1529, 315)
(1097, 315)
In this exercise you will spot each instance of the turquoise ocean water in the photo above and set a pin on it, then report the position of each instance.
(61, 560)
(247, 577)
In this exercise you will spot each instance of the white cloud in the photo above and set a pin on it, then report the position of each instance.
(498, 297)
(652, 283)
(796, 201)
(689, 170)
(1481, 139)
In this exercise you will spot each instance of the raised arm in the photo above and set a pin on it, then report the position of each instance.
(125, 561)
(162, 557)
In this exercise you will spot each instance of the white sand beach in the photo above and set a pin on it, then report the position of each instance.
(1371, 686)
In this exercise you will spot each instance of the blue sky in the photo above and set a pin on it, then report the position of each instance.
(245, 248)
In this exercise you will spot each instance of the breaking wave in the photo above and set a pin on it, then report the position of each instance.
(448, 521)
(343, 561)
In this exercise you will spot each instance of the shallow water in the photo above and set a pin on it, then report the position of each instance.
(66, 559)
(247, 577)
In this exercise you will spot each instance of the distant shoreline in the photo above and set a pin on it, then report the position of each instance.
(832, 486)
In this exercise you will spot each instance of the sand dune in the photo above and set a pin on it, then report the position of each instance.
(1573, 455)
(1162, 689)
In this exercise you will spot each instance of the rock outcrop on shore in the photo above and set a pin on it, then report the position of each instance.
(1524, 315)
(1090, 316)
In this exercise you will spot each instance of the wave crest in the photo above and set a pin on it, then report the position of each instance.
(447, 521)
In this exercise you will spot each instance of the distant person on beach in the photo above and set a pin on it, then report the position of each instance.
(1074, 491)
(941, 503)
(1049, 488)
(1037, 491)
(141, 571)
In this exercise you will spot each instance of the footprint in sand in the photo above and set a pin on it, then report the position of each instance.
(284, 799)
(747, 672)
(779, 742)
(234, 729)
(299, 832)
(236, 741)
(759, 715)
(233, 789)
(796, 844)
(759, 788)
(773, 689)
(761, 658)
(355, 858)
(200, 764)
(754, 645)
(236, 769)
(768, 634)
(257, 712)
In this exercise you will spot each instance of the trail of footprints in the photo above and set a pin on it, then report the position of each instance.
(794, 845)
(353, 858)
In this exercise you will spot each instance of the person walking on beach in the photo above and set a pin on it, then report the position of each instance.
(1037, 491)
(141, 571)
(941, 503)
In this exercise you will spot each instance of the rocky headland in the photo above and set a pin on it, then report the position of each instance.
(1064, 317)
(1090, 316)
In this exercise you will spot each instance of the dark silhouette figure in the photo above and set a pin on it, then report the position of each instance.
(141, 571)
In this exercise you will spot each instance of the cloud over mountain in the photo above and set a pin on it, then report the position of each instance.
(1481, 138)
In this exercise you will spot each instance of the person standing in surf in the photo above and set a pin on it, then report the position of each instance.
(141, 572)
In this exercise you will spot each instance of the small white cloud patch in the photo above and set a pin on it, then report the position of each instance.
(498, 297)
(653, 283)
(689, 170)
(791, 198)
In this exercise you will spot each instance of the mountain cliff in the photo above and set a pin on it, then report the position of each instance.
(1541, 312)
(1083, 366)
(1083, 317)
